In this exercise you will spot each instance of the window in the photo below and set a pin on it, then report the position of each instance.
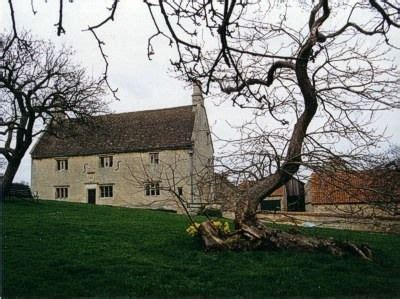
(180, 191)
(61, 192)
(62, 164)
(154, 158)
(106, 161)
(106, 191)
(152, 189)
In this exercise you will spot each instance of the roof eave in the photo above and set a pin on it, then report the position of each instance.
(138, 150)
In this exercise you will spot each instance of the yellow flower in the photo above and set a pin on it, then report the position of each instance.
(226, 228)
(217, 224)
(192, 230)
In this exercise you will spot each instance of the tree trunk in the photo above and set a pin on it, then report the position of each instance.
(22, 142)
(250, 233)
(247, 206)
(9, 175)
(262, 238)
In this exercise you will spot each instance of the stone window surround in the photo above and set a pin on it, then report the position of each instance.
(106, 161)
(152, 189)
(106, 190)
(61, 164)
(154, 158)
(61, 192)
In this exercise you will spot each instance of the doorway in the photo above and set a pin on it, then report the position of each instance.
(91, 196)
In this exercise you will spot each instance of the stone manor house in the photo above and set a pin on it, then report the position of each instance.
(144, 159)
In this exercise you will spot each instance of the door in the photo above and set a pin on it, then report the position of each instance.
(91, 195)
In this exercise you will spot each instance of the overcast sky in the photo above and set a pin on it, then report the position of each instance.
(142, 84)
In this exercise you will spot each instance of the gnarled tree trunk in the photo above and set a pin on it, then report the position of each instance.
(263, 238)
(250, 233)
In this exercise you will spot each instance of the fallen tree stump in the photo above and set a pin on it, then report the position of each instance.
(260, 237)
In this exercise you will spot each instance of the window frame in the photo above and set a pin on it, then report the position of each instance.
(106, 191)
(61, 192)
(154, 158)
(61, 164)
(106, 161)
(152, 189)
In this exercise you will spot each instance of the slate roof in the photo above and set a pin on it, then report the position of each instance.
(140, 131)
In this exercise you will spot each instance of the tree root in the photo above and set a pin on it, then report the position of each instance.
(263, 238)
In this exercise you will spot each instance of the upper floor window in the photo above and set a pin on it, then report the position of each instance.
(154, 158)
(106, 161)
(152, 189)
(106, 191)
(61, 192)
(62, 164)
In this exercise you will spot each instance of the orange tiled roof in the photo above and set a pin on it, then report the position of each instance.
(343, 187)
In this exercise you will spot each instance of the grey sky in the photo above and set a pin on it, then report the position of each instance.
(142, 84)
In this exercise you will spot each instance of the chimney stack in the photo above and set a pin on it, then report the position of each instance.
(197, 96)
(58, 113)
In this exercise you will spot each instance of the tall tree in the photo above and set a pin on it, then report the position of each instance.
(39, 84)
(315, 73)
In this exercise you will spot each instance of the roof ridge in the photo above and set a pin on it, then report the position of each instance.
(148, 110)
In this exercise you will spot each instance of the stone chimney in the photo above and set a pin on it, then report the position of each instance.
(197, 96)
(58, 113)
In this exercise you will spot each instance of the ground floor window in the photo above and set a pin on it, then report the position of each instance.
(61, 192)
(106, 191)
(152, 189)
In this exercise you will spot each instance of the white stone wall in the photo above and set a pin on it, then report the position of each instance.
(203, 155)
(128, 174)
(190, 169)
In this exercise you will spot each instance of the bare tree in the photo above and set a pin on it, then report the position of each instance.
(315, 73)
(319, 76)
(38, 85)
(170, 185)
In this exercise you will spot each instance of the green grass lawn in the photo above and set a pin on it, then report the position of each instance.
(64, 249)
